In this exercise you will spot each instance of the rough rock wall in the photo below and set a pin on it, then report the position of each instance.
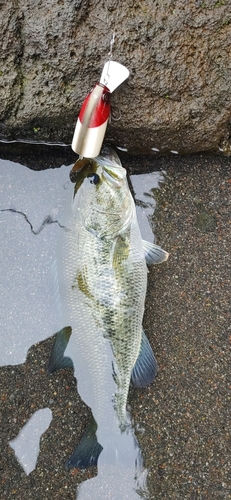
(178, 96)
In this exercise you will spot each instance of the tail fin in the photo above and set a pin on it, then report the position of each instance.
(121, 475)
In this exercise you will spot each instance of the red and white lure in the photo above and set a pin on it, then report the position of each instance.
(95, 111)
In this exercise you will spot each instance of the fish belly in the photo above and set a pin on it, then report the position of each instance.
(103, 291)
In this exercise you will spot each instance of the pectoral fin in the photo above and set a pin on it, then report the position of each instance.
(87, 452)
(153, 253)
(145, 368)
(57, 359)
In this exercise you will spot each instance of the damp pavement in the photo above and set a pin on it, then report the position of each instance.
(182, 420)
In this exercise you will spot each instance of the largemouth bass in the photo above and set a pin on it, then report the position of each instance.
(102, 278)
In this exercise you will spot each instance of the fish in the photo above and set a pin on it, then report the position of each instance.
(101, 277)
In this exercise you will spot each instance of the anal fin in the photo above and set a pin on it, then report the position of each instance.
(145, 368)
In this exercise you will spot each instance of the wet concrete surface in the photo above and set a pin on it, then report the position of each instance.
(183, 418)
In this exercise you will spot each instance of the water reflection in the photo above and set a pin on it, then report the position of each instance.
(28, 306)
(26, 444)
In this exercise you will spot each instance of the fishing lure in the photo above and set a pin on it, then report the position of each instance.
(95, 111)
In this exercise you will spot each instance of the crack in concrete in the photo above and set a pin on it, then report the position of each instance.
(47, 221)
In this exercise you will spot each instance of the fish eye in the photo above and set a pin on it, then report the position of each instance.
(94, 178)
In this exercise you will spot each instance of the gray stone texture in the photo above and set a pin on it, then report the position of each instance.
(178, 96)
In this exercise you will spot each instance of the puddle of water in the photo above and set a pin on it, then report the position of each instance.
(143, 185)
(28, 312)
(116, 486)
(26, 258)
(26, 444)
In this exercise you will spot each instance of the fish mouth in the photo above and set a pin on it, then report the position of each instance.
(109, 153)
(80, 164)
(113, 172)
